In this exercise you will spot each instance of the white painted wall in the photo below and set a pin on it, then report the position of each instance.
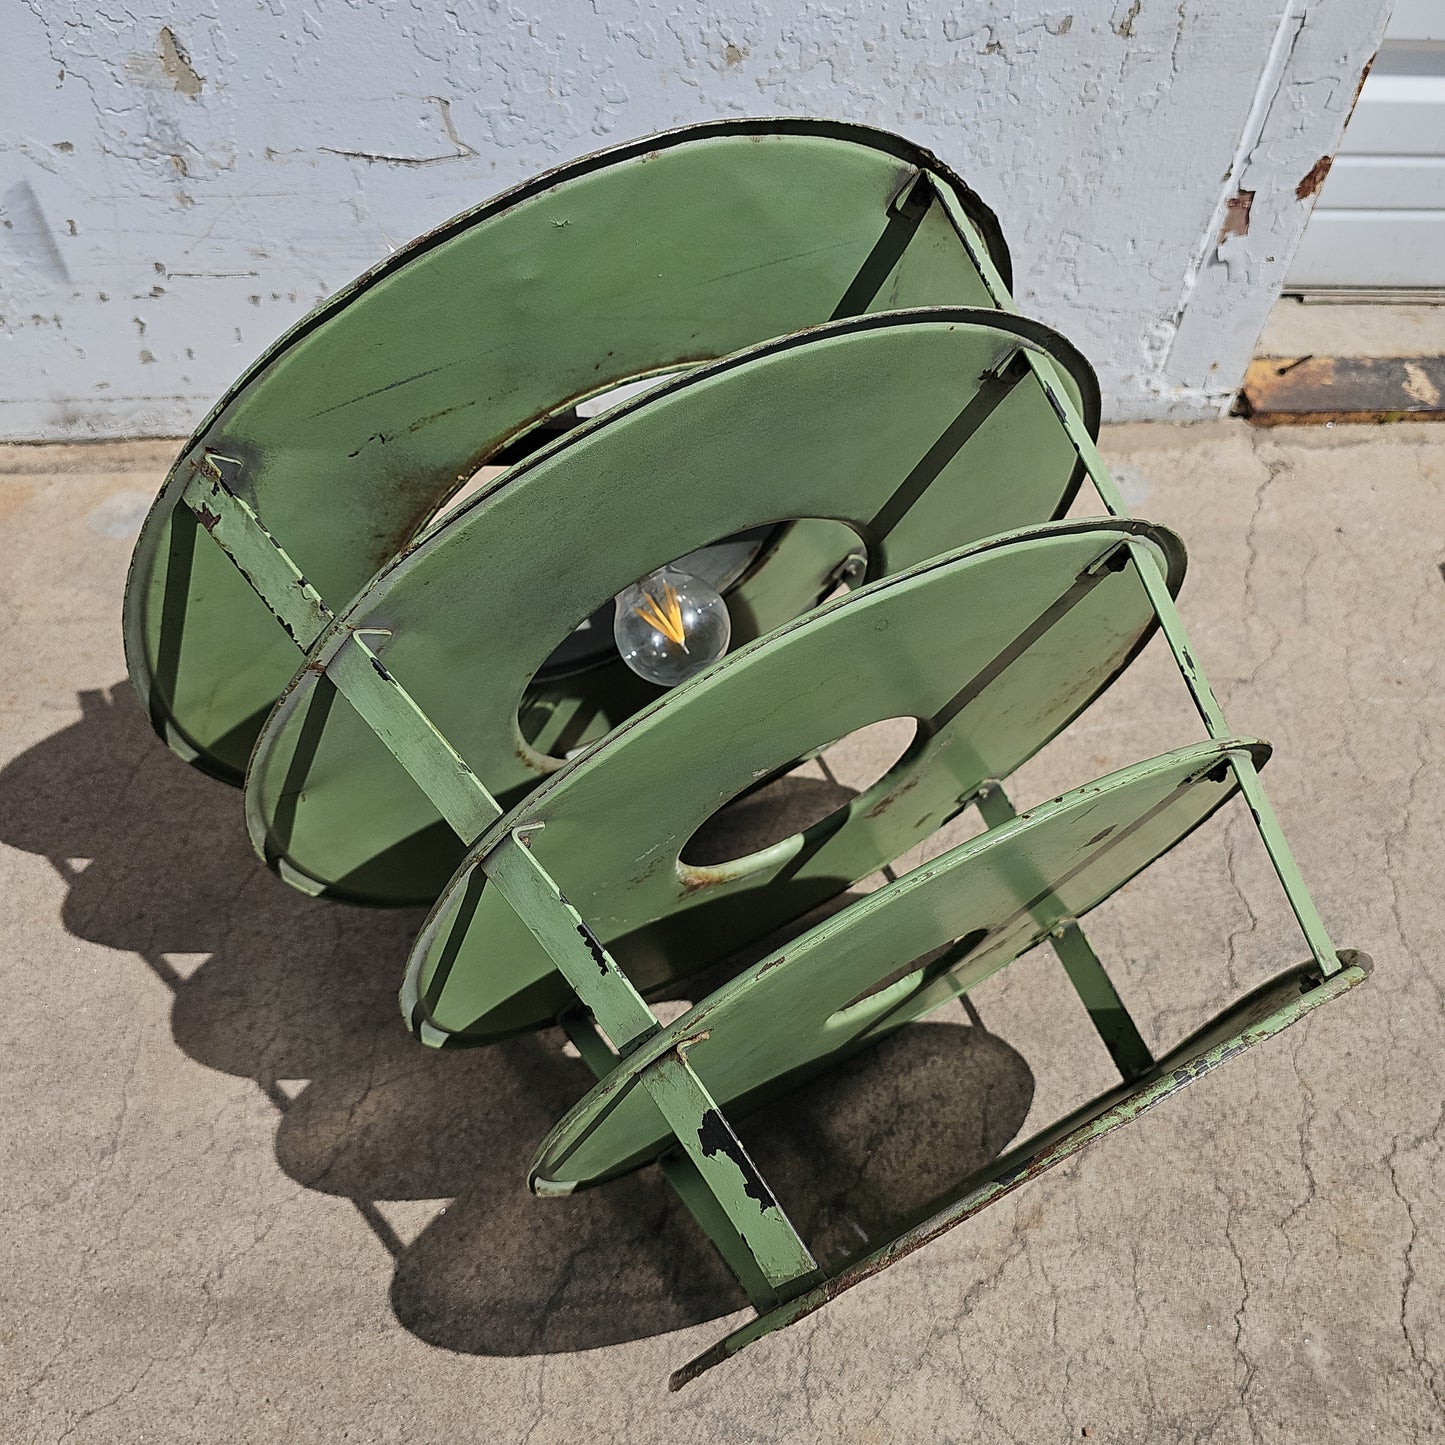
(178, 184)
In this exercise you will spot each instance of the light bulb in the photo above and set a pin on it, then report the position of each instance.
(670, 625)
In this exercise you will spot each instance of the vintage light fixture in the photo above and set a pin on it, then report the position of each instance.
(432, 711)
(670, 626)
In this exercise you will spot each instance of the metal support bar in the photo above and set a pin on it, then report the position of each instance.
(605, 991)
(1285, 867)
(1207, 705)
(695, 1192)
(905, 214)
(1096, 992)
(361, 676)
(682, 1174)
(1097, 570)
(257, 555)
(978, 254)
(994, 388)
(1083, 965)
(681, 1097)
(409, 735)
(582, 1032)
(724, 1165)
(1091, 981)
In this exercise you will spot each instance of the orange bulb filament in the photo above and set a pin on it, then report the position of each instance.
(665, 616)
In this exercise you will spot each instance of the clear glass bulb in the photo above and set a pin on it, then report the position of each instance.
(671, 625)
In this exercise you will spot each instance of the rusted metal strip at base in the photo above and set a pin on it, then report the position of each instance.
(1248, 1022)
(1313, 390)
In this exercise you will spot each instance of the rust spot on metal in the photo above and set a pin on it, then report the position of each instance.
(380, 437)
(883, 805)
(207, 518)
(695, 876)
(1313, 178)
(1236, 215)
(425, 421)
(1364, 76)
(1314, 390)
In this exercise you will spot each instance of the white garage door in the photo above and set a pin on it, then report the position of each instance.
(1380, 219)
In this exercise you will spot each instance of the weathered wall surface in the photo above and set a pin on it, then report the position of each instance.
(178, 185)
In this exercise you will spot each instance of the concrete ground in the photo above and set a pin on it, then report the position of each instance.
(242, 1205)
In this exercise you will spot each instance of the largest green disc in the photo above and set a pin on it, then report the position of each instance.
(348, 434)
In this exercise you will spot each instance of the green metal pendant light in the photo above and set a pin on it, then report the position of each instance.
(844, 503)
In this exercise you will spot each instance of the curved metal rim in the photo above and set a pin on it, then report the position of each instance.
(598, 1100)
(1032, 333)
(875, 138)
(413, 1007)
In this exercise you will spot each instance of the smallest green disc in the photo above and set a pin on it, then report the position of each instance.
(861, 973)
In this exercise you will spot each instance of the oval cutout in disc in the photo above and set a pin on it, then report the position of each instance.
(995, 649)
(1008, 888)
(907, 442)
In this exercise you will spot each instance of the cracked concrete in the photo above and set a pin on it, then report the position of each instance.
(243, 1205)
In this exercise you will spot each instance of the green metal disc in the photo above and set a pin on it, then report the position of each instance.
(1001, 893)
(1260, 1015)
(997, 647)
(350, 432)
(914, 431)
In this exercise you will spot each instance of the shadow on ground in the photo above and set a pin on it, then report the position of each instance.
(299, 995)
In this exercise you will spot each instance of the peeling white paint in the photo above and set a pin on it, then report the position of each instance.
(177, 188)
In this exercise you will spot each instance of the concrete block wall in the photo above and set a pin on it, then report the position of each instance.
(178, 185)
